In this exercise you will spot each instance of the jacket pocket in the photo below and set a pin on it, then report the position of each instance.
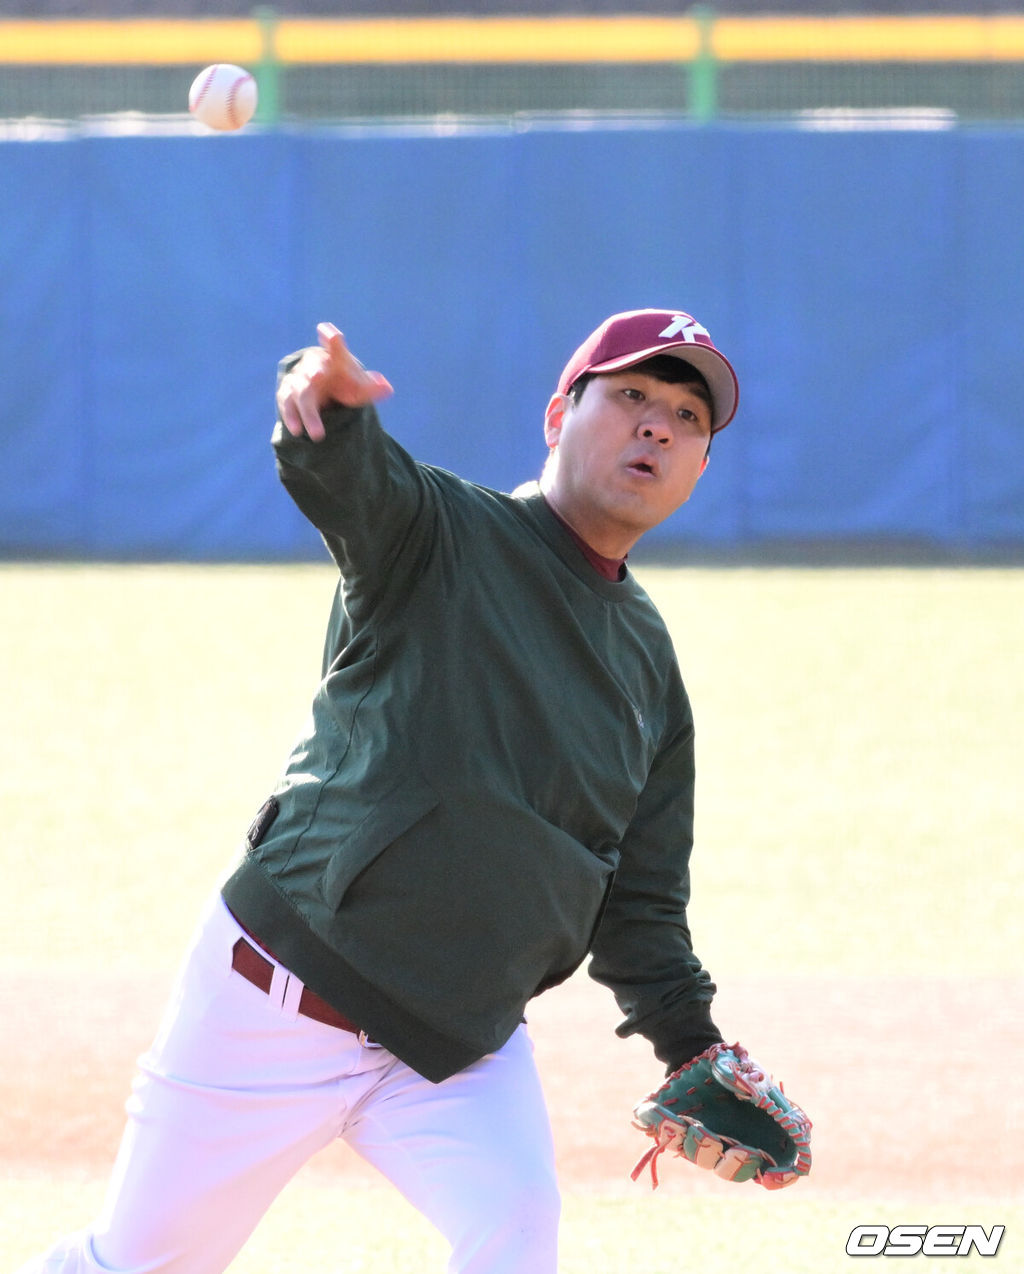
(397, 811)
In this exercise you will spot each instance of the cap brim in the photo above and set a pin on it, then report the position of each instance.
(713, 366)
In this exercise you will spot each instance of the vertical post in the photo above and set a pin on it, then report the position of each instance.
(704, 68)
(268, 69)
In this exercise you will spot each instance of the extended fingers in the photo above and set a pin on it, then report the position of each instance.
(300, 398)
(346, 379)
(326, 373)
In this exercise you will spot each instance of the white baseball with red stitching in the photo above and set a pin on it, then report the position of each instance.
(223, 97)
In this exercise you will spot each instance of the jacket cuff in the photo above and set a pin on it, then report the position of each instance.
(694, 1032)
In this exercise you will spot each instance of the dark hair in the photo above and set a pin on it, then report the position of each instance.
(674, 371)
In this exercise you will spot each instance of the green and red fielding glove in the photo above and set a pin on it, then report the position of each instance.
(723, 1112)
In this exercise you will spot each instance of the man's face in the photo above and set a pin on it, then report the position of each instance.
(627, 455)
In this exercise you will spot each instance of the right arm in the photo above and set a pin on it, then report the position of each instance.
(358, 487)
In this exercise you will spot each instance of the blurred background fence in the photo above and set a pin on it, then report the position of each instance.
(836, 196)
(700, 62)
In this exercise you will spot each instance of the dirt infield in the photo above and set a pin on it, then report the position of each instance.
(893, 1074)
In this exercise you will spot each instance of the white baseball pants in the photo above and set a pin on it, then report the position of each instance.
(238, 1092)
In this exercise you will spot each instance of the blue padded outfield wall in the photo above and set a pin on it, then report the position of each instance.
(867, 285)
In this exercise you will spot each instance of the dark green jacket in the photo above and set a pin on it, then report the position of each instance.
(501, 748)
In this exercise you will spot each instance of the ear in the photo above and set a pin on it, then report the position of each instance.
(703, 465)
(554, 418)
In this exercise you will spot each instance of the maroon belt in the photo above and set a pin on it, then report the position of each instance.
(258, 970)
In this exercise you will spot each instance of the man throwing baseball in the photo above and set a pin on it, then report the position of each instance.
(495, 781)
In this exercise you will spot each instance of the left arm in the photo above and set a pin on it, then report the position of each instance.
(719, 1109)
(643, 951)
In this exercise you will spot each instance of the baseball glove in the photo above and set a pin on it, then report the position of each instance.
(722, 1111)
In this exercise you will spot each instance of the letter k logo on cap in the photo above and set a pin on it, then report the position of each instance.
(684, 328)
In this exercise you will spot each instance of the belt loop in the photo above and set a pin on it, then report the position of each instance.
(285, 991)
(293, 989)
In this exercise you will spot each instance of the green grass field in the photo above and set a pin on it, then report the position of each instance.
(859, 807)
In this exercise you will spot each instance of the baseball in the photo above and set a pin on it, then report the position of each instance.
(223, 96)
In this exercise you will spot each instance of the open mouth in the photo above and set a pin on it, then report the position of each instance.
(641, 467)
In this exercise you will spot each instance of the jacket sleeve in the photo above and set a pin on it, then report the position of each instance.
(642, 950)
(360, 489)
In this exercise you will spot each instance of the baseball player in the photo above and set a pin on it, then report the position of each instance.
(495, 781)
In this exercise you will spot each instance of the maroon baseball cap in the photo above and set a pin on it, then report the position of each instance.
(626, 339)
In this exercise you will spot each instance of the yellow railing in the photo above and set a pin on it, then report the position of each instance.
(290, 40)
